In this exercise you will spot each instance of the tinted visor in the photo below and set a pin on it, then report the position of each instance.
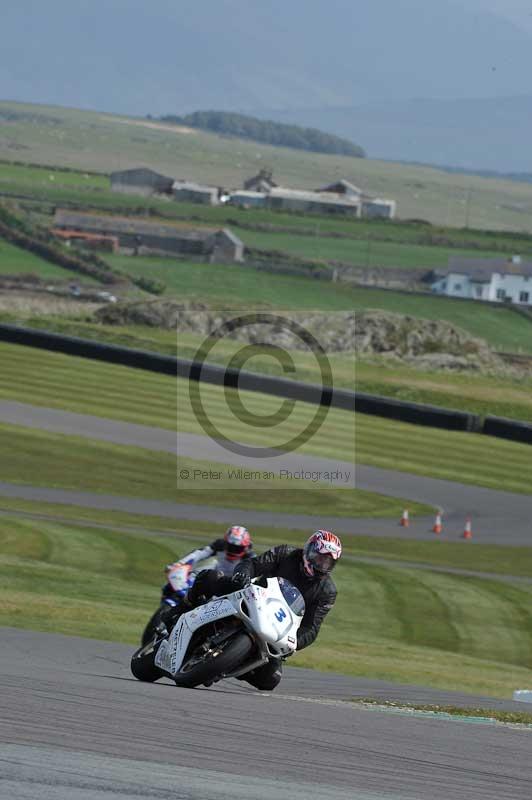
(237, 550)
(322, 562)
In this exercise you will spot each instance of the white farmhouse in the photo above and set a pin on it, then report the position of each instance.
(496, 280)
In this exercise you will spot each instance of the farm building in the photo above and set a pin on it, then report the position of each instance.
(262, 182)
(339, 197)
(497, 280)
(370, 207)
(320, 202)
(141, 181)
(378, 207)
(189, 192)
(247, 199)
(343, 187)
(137, 237)
(226, 247)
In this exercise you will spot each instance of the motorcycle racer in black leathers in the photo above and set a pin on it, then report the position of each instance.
(308, 568)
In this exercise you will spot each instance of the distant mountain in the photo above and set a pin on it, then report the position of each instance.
(471, 134)
(137, 57)
(130, 56)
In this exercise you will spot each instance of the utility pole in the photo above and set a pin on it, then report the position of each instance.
(368, 253)
(468, 206)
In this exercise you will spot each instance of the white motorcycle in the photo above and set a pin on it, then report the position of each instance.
(227, 636)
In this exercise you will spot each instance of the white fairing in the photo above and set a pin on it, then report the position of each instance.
(264, 612)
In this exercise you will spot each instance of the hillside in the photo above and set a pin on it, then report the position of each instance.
(103, 142)
(338, 59)
(267, 131)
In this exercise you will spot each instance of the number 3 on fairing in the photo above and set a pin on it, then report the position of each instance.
(280, 615)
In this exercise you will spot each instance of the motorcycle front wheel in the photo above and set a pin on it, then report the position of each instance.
(150, 629)
(143, 664)
(206, 667)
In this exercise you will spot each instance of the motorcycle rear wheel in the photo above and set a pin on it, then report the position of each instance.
(229, 656)
(143, 665)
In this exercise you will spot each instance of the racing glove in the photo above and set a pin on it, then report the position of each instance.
(240, 580)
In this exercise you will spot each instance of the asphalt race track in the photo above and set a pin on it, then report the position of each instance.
(75, 725)
(498, 517)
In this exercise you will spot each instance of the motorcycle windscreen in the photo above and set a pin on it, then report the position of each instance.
(293, 597)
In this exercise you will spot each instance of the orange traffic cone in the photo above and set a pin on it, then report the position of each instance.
(467, 534)
(405, 521)
(437, 527)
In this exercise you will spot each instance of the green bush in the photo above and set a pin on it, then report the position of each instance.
(151, 285)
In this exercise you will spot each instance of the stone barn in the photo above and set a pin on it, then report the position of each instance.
(378, 208)
(226, 247)
(313, 202)
(189, 192)
(137, 237)
(141, 181)
(247, 199)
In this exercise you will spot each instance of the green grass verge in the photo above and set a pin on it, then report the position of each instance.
(392, 623)
(478, 394)
(53, 460)
(16, 261)
(509, 717)
(475, 393)
(106, 390)
(434, 552)
(462, 457)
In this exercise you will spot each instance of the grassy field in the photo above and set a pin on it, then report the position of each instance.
(359, 253)
(84, 465)
(399, 624)
(15, 261)
(502, 328)
(31, 178)
(106, 390)
(494, 560)
(478, 394)
(467, 458)
(103, 142)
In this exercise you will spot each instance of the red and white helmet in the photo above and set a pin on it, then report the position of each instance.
(237, 542)
(320, 552)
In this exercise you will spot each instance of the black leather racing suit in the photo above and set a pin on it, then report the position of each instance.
(319, 593)
(283, 561)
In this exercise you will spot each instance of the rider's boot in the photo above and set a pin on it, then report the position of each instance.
(169, 616)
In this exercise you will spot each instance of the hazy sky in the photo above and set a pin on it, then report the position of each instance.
(517, 11)
(420, 69)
